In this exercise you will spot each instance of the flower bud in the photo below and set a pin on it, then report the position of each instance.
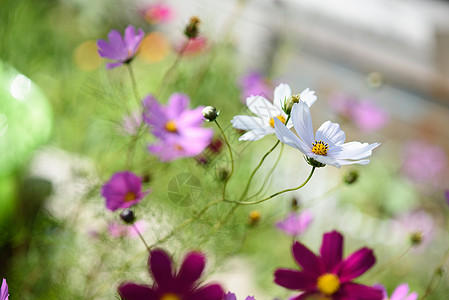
(127, 216)
(192, 30)
(288, 104)
(416, 238)
(210, 113)
(351, 177)
(254, 217)
(294, 204)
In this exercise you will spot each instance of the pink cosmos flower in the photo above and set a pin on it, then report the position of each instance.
(158, 13)
(365, 114)
(400, 293)
(231, 296)
(419, 226)
(118, 230)
(327, 275)
(120, 49)
(295, 223)
(4, 292)
(195, 46)
(169, 284)
(254, 84)
(424, 162)
(179, 129)
(123, 190)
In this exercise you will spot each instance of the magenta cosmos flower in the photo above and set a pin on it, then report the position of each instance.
(120, 49)
(328, 275)
(179, 129)
(401, 292)
(295, 223)
(231, 296)
(123, 190)
(4, 292)
(171, 285)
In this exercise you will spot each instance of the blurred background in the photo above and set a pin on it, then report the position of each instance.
(380, 68)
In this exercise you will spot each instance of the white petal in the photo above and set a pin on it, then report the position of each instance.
(256, 134)
(248, 122)
(308, 96)
(355, 151)
(281, 93)
(288, 137)
(330, 133)
(344, 162)
(262, 107)
(302, 121)
(328, 160)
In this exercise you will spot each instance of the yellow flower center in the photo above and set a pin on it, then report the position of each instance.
(171, 126)
(130, 196)
(320, 148)
(170, 296)
(280, 117)
(328, 284)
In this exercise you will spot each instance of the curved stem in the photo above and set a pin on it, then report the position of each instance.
(245, 191)
(269, 173)
(431, 285)
(171, 69)
(232, 159)
(140, 236)
(275, 194)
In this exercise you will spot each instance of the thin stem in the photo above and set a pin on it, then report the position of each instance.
(432, 285)
(232, 159)
(245, 191)
(140, 236)
(275, 194)
(185, 223)
(269, 173)
(171, 68)
(133, 82)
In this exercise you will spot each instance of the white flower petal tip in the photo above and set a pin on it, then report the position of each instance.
(308, 96)
(328, 146)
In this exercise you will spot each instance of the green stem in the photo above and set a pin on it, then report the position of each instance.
(269, 173)
(133, 82)
(245, 191)
(162, 84)
(232, 160)
(432, 285)
(275, 194)
(140, 236)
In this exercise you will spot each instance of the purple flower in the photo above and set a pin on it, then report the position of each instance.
(231, 296)
(446, 193)
(123, 190)
(254, 84)
(179, 129)
(4, 292)
(120, 230)
(171, 285)
(400, 293)
(120, 50)
(295, 223)
(328, 275)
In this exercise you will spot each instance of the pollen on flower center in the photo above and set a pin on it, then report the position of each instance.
(280, 117)
(171, 126)
(170, 296)
(328, 284)
(130, 196)
(320, 148)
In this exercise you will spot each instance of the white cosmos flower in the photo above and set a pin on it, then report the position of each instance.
(263, 123)
(327, 146)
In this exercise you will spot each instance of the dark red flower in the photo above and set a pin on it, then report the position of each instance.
(328, 276)
(171, 285)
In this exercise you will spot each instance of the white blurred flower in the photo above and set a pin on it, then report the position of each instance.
(263, 123)
(328, 146)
